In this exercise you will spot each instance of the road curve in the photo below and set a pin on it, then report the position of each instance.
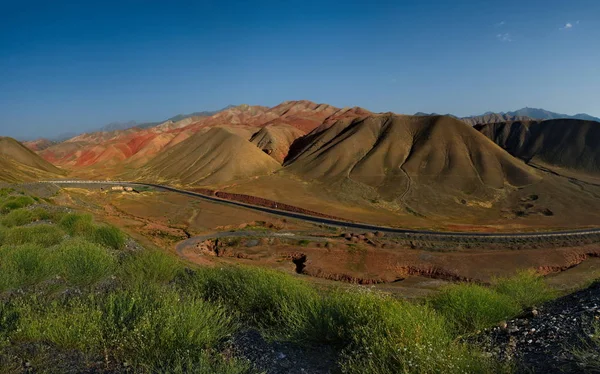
(406, 233)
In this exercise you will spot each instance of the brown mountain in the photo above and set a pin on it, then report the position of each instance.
(275, 140)
(398, 155)
(39, 144)
(214, 157)
(564, 143)
(18, 163)
(114, 152)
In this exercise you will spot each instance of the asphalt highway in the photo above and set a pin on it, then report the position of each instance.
(407, 233)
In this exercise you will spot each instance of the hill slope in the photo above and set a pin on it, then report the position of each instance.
(275, 140)
(19, 163)
(566, 143)
(396, 154)
(216, 156)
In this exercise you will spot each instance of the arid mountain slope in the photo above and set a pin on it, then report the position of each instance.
(216, 156)
(565, 143)
(19, 163)
(39, 144)
(115, 152)
(394, 154)
(275, 140)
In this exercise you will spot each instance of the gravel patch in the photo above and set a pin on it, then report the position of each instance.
(542, 339)
(283, 357)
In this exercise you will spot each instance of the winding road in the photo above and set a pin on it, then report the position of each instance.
(410, 234)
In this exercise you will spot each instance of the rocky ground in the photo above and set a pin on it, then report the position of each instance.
(281, 357)
(542, 340)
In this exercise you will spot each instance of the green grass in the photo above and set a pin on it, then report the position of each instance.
(158, 316)
(83, 225)
(44, 235)
(263, 298)
(83, 263)
(15, 202)
(376, 334)
(527, 288)
(470, 307)
(587, 355)
(23, 266)
(108, 236)
(150, 266)
(77, 224)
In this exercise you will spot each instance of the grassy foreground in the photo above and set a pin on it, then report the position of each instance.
(74, 299)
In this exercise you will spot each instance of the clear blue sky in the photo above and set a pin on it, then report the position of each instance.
(73, 66)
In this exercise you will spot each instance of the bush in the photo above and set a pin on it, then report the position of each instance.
(75, 325)
(77, 224)
(83, 263)
(108, 236)
(470, 307)
(43, 235)
(82, 225)
(150, 266)
(17, 217)
(376, 334)
(389, 336)
(24, 266)
(264, 298)
(153, 326)
(15, 202)
(527, 289)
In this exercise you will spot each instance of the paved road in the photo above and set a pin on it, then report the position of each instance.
(398, 232)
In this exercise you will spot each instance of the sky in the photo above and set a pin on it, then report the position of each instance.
(71, 66)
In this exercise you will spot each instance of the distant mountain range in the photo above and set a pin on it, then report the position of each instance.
(523, 114)
(115, 126)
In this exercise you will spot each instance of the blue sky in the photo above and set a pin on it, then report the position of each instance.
(72, 66)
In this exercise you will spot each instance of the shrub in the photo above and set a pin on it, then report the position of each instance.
(264, 298)
(83, 263)
(383, 335)
(75, 325)
(470, 307)
(3, 232)
(24, 266)
(108, 236)
(527, 288)
(15, 202)
(587, 356)
(150, 266)
(77, 224)
(4, 192)
(153, 325)
(17, 217)
(43, 235)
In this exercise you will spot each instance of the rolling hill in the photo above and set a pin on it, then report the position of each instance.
(565, 143)
(19, 164)
(214, 157)
(112, 153)
(275, 140)
(397, 155)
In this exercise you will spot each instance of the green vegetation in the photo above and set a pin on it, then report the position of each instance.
(15, 202)
(82, 225)
(526, 288)
(470, 307)
(68, 285)
(588, 356)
